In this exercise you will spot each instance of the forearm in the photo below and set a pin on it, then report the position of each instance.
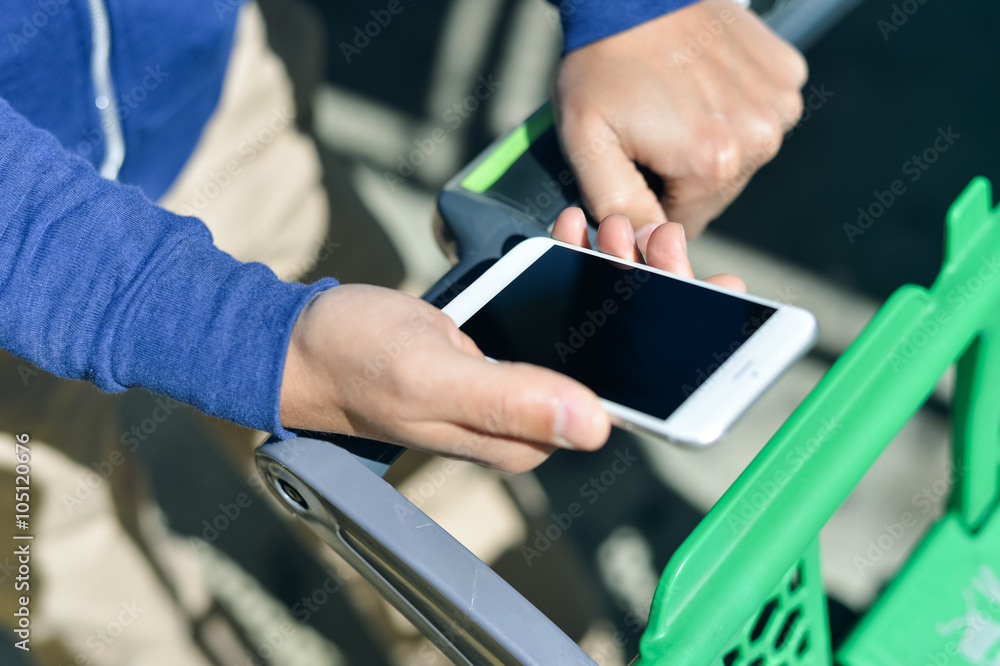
(98, 283)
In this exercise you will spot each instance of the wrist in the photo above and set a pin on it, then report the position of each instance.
(294, 391)
(586, 21)
(291, 403)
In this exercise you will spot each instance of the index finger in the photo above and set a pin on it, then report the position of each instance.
(610, 182)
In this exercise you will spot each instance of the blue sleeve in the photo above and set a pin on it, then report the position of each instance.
(98, 283)
(586, 21)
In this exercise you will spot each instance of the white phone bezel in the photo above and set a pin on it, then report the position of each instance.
(715, 404)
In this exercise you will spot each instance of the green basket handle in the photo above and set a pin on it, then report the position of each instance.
(730, 564)
(976, 402)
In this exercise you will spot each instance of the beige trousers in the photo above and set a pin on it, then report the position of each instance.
(108, 584)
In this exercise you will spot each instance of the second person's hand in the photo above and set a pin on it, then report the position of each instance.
(661, 246)
(701, 97)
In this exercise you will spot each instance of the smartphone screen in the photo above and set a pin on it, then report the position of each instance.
(642, 340)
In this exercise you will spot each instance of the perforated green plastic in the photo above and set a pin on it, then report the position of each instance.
(944, 607)
(791, 627)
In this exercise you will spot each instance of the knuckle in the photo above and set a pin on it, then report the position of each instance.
(588, 138)
(499, 415)
(616, 201)
(769, 140)
(434, 318)
(580, 128)
(790, 107)
(528, 413)
(718, 155)
(796, 66)
(510, 415)
(632, 196)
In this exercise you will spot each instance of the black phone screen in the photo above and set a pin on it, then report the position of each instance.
(636, 338)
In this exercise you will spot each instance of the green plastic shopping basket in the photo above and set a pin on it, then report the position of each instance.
(744, 589)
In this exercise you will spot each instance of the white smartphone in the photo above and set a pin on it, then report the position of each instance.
(673, 357)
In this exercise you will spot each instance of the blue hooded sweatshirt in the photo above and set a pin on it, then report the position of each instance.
(96, 281)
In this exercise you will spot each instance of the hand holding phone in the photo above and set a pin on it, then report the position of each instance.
(377, 363)
(668, 355)
(385, 365)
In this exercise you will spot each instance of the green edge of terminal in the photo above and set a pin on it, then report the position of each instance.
(517, 142)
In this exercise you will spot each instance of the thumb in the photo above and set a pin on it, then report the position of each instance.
(610, 181)
(525, 402)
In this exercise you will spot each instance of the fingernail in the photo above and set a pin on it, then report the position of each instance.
(631, 233)
(684, 237)
(575, 425)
